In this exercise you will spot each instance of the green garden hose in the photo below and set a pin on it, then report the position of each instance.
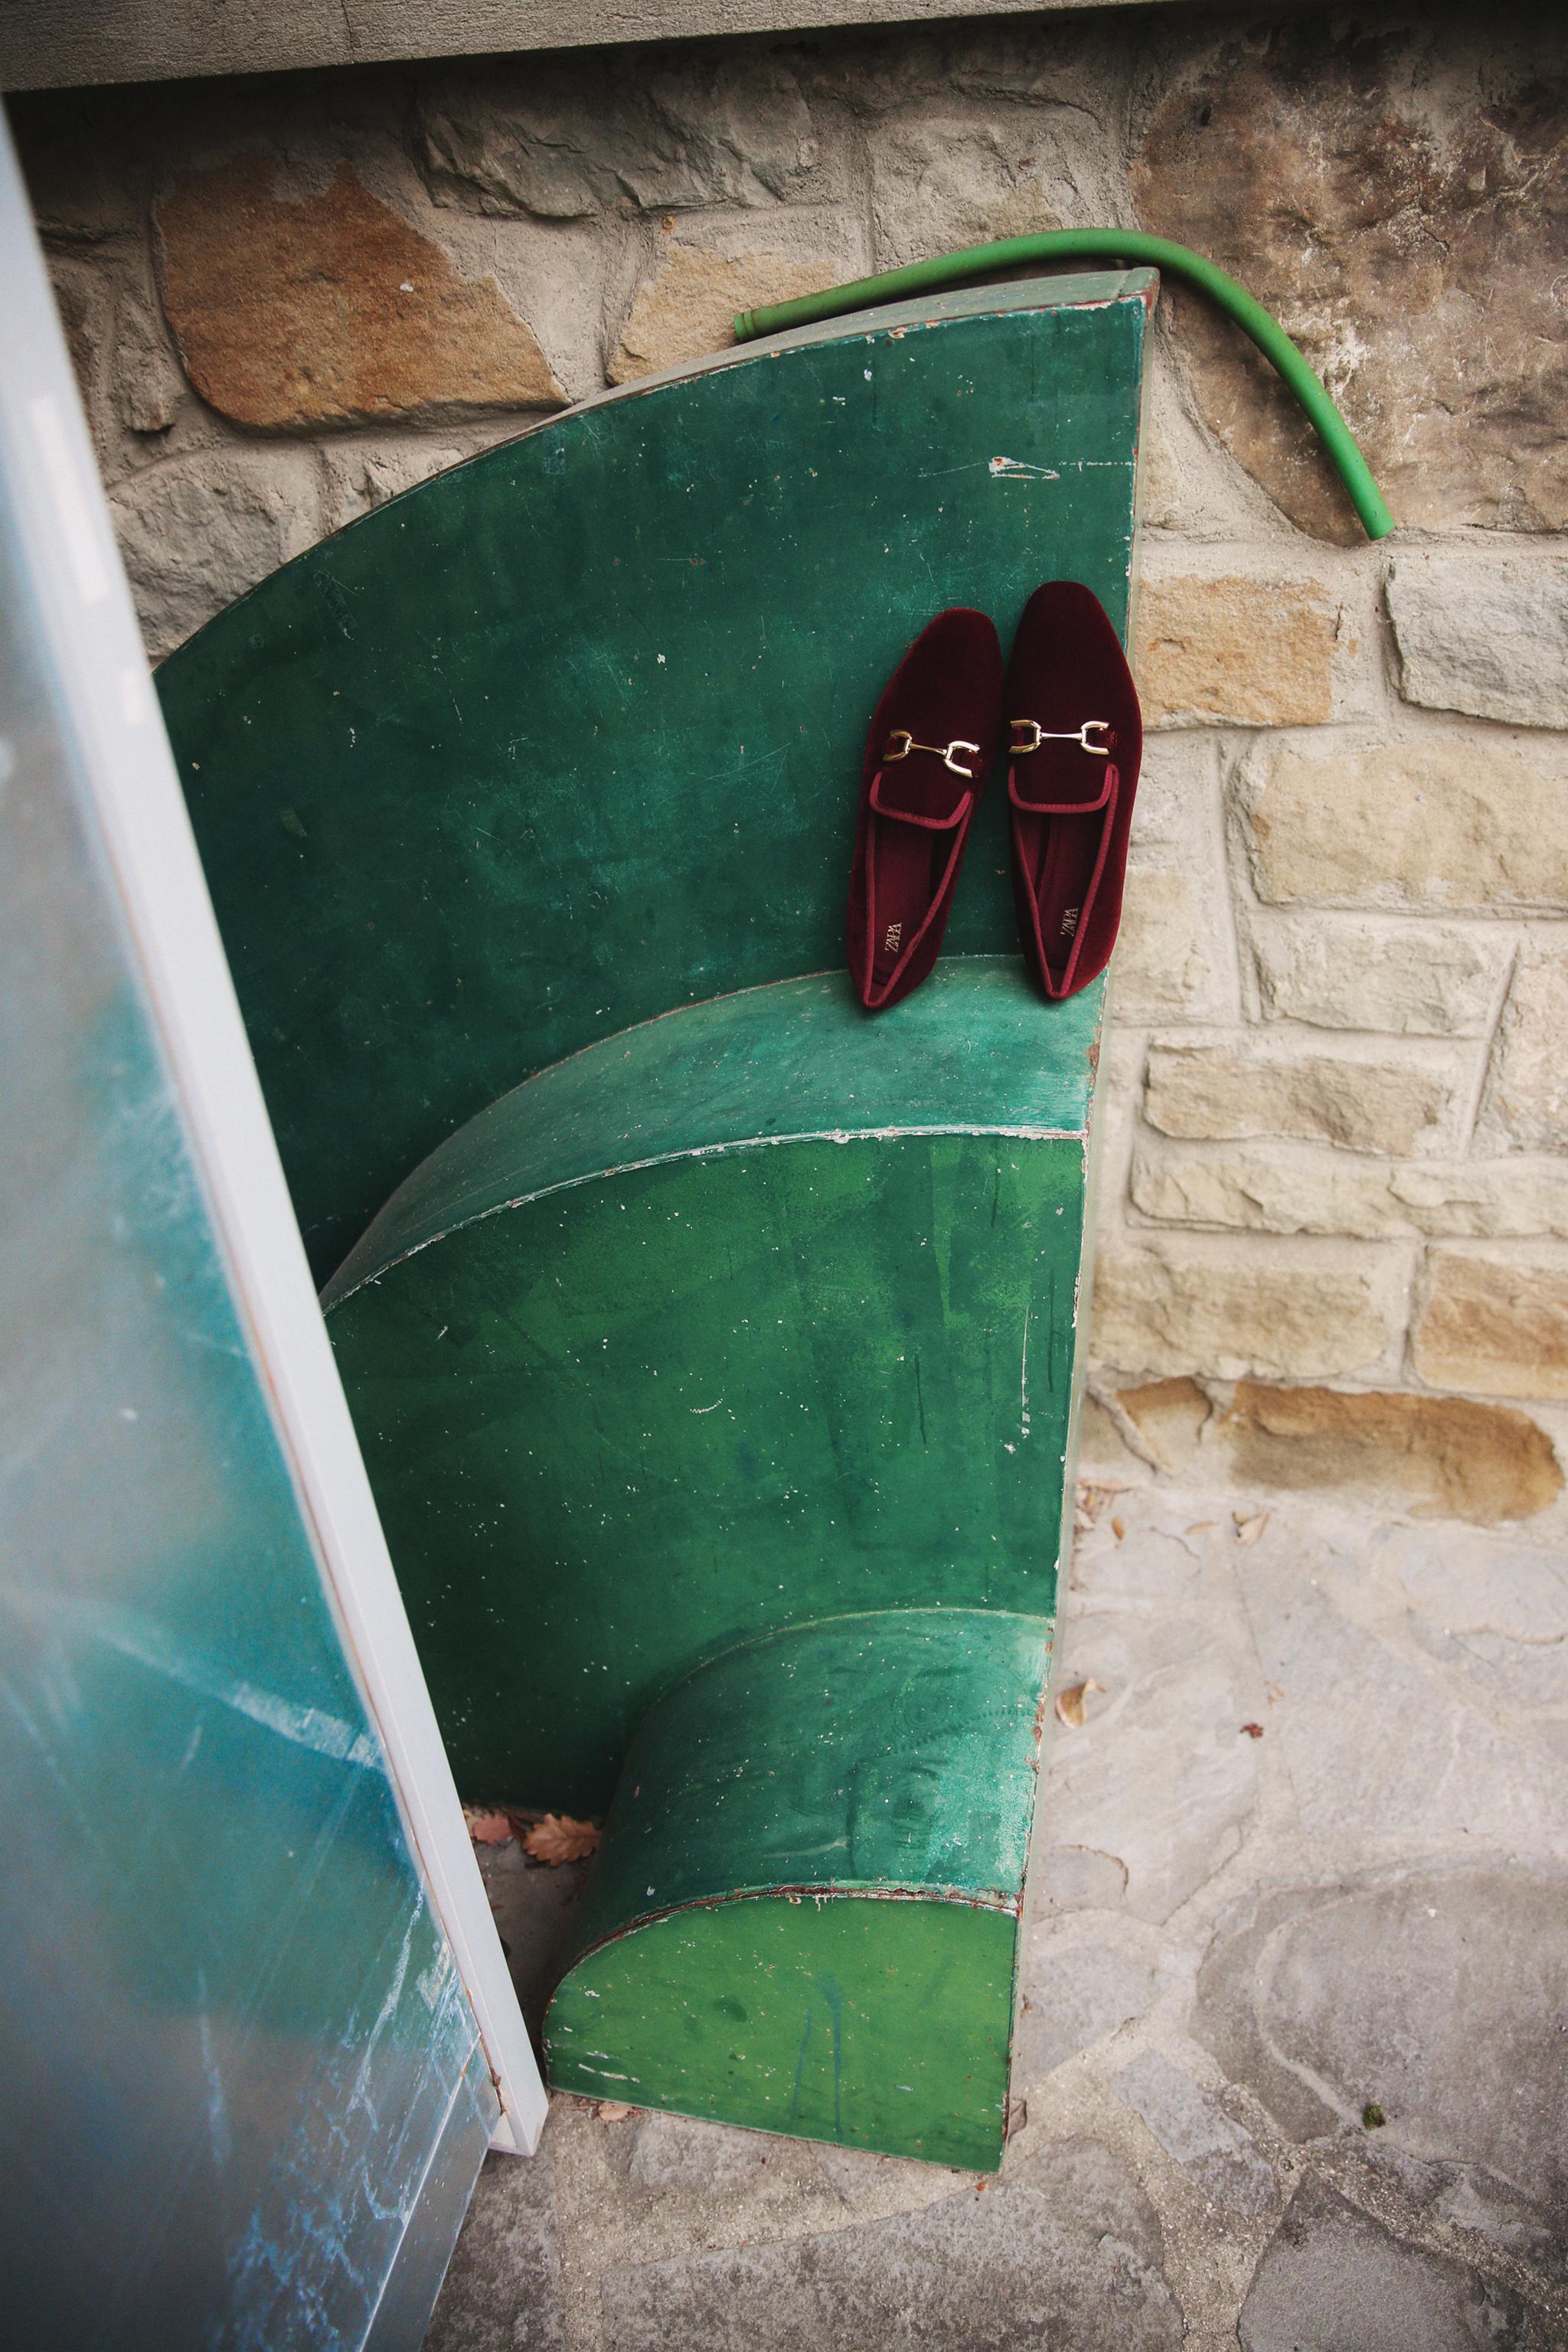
(1106, 245)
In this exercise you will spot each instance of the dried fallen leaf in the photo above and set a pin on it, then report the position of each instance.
(1117, 1529)
(1070, 1702)
(1018, 2116)
(611, 2111)
(1202, 1526)
(558, 1838)
(1253, 1730)
(1248, 1530)
(487, 1828)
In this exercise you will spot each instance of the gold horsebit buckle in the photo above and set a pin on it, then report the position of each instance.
(1080, 735)
(900, 735)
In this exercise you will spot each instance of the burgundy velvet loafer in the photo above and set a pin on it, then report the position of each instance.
(1076, 740)
(932, 745)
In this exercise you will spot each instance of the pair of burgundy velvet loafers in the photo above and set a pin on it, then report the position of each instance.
(1076, 739)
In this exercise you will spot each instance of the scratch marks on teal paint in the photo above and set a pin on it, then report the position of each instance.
(825, 1993)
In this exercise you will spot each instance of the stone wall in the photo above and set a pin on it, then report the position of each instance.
(1335, 1235)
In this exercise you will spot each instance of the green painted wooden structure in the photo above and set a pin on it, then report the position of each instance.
(712, 1346)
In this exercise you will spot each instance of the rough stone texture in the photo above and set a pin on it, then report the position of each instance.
(1236, 651)
(1175, 1679)
(503, 2290)
(148, 386)
(1430, 1759)
(1171, 953)
(1498, 1325)
(1192, 2126)
(196, 532)
(1439, 825)
(687, 306)
(1181, 1308)
(940, 178)
(1411, 979)
(1434, 1456)
(1365, 1103)
(1266, 1188)
(1066, 2247)
(1075, 1996)
(1399, 199)
(1527, 1106)
(1169, 1417)
(1487, 637)
(363, 318)
(1331, 2270)
(1320, 1998)
(1102, 1446)
(655, 131)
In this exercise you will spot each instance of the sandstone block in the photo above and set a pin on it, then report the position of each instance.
(1101, 1447)
(1435, 1457)
(1401, 205)
(1527, 1103)
(1265, 1189)
(1487, 637)
(1171, 953)
(1169, 1416)
(295, 310)
(361, 475)
(195, 533)
(1442, 826)
(1187, 1307)
(1233, 652)
(148, 385)
(1422, 979)
(1371, 1102)
(1498, 1325)
(943, 178)
(577, 137)
(687, 307)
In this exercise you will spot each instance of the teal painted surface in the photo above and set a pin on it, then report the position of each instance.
(870, 2024)
(231, 2033)
(975, 1048)
(675, 1407)
(897, 1751)
(880, 1770)
(570, 735)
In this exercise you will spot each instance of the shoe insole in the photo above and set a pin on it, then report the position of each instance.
(1066, 853)
(909, 864)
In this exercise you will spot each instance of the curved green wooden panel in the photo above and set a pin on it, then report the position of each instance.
(871, 2022)
(806, 1911)
(674, 1407)
(898, 1751)
(975, 1050)
(572, 733)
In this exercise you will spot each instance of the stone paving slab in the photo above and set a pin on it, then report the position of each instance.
(1293, 2052)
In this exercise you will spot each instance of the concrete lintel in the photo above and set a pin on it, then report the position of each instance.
(62, 44)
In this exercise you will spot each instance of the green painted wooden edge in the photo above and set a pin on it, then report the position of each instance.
(946, 269)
